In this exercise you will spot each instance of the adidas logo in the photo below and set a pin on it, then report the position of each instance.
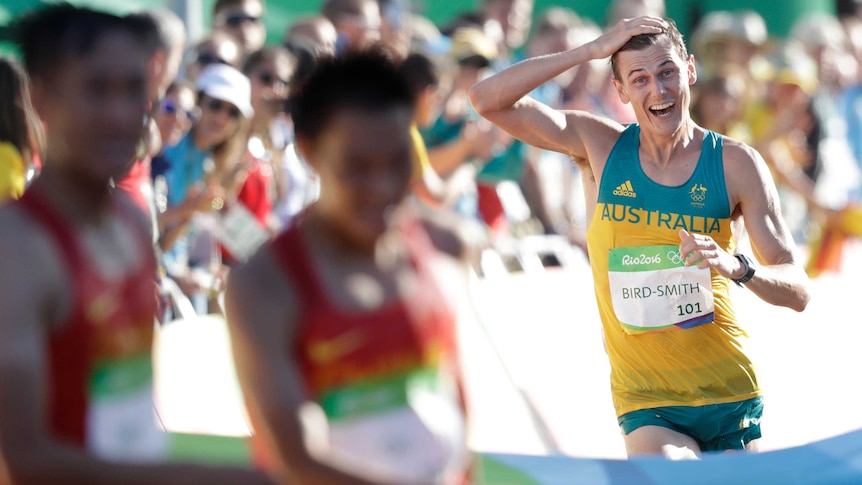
(625, 190)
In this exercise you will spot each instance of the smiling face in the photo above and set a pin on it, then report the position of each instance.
(218, 121)
(656, 81)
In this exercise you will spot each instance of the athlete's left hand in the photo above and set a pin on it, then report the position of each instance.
(702, 251)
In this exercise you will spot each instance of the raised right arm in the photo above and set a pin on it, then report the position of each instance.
(503, 98)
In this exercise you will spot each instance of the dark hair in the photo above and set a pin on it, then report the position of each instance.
(336, 10)
(19, 123)
(368, 81)
(420, 71)
(222, 5)
(153, 40)
(640, 42)
(51, 35)
(267, 54)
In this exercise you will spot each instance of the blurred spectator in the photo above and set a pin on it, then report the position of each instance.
(424, 77)
(202, 169)
(21, 132)
(851, 102)
(395, 28)
(718, 104)
(357, 22)
(426, 37)
(243, 19)
(733, 39)
(316, 34)
(787, 133)
(217, 48)
(174, 117)
(170, 43)
(289, 182)
(629, 9)
(167, 40)
(547, 178)
(836, 171)
(176, 112)
(458, 138)
(513, 18)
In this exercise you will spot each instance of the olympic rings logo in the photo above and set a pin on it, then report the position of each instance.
(698, 198)
(674, 257)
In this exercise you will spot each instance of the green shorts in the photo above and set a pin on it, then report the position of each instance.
(715, 427)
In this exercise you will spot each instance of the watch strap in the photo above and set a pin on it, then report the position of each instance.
(746, 265)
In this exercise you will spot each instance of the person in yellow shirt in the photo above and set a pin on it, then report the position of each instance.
(668, 200)
(20, 130)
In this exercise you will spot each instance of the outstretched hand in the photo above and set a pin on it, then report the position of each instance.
(615, 37)
(702, 251)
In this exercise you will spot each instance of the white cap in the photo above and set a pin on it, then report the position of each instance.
(225, 83)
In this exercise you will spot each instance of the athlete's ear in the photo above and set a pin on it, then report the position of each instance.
(38, 93)
(692, 70)
(621, 91)
(304, 148)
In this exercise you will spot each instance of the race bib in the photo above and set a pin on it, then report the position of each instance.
(653, 290)
(121, 423)
(406, 429)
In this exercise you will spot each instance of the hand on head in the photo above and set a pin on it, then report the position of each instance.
(615, 37)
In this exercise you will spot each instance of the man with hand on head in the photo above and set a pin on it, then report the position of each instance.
(666, 199)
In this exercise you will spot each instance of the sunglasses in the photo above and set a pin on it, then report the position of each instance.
(237, 19)
(217, 106)
(271, 79)
(170, 107)
(205, 59)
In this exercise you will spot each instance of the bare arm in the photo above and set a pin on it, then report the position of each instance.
(261, 310)
(33, 297)
(503, 98)
(778, 280)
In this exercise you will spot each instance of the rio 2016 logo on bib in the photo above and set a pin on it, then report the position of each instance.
(652, 290)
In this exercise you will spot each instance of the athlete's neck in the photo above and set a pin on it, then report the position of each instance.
(75, 197)
(662, 150)
(333, 240)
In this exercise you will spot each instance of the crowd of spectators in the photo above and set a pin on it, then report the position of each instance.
(218, 172)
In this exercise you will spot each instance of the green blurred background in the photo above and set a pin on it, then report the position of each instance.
(779, 15)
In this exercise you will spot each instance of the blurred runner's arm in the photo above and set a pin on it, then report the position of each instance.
(33, 297)
(261, 315)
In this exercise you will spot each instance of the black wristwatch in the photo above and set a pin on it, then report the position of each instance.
(749, 270)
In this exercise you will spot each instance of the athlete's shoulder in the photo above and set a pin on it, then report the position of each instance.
(737, 151)
(30, 257)
(745, 170)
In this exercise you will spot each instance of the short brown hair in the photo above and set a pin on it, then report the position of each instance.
(640, 42)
